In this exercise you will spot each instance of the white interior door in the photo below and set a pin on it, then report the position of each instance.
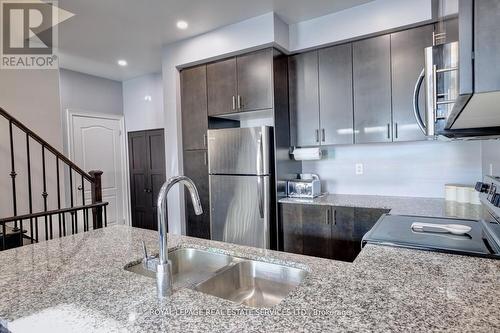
(96, 144)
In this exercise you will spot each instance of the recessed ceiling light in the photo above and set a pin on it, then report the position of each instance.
(182, 25)
(122, 62)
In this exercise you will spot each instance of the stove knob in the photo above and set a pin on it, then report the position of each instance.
(482, 187)
(495, 199)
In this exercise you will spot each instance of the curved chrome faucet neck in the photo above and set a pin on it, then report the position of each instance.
(162, 210)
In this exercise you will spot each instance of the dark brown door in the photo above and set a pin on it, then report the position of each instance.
(147, 175)
(194, 107)
(221, 87)
(196, 168)
(255, 80)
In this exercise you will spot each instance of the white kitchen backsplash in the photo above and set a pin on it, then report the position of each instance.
(419, 169)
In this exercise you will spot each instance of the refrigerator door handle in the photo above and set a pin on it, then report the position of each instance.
(260, 155)
(261, 194)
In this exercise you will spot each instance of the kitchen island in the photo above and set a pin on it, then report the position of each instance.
(79, 282)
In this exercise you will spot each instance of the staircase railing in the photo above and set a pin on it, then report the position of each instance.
(12, 232)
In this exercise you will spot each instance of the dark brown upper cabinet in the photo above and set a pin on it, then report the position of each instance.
(372, 90)
(321, 106)
(255, 81)
(335, 95)
(407, 62)
(304, 99)
(194, 108)
(242, 83)
(222, 87)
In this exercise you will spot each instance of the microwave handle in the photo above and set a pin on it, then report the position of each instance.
(416, 108)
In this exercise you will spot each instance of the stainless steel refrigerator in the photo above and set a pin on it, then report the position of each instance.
(240, 168)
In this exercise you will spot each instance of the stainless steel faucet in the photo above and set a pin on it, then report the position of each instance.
(164, 270)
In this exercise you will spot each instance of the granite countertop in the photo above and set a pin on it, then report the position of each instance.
(435, 207)
(78, 283)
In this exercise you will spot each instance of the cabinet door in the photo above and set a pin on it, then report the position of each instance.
(307, 229)
(196, 168)
(194, 107)
(255, 80)
(345, 245)
(407, 61)
(487, 45)
(335, 95)
(372, 90)
(221, 87)
(304, 101)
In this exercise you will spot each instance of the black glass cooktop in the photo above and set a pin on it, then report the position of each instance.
(396, 230)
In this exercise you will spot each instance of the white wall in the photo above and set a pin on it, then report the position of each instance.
(143, 102)
(419, 169)
(32, 96)
(90, 93)
(491, 157)
(361, 20)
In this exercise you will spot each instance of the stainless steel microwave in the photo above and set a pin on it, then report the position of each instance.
(462, 78)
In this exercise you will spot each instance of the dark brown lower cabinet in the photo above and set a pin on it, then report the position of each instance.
(326, 231)
(196, 168)
(147, 175)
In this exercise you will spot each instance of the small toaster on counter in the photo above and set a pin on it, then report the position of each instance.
(306, 186)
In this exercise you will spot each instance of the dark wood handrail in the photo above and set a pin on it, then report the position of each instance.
(51, 212)
(45, 144)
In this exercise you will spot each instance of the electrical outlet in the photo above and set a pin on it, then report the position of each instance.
(359, 168)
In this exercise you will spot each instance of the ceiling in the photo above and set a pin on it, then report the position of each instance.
(103, 31)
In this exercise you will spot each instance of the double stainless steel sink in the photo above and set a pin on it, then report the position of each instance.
(253, 283)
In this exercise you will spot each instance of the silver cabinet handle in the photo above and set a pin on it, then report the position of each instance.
(317, 135)
(327, 216)
(323, 135)
(388, 131)
(205, 158)
(239, 102)
(205, 140)
(234, 102)
(416, 108)
(334, 217)
(396, 130)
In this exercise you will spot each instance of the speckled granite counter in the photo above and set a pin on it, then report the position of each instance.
(78, 282)
(398, 205)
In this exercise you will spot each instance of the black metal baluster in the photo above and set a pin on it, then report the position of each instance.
(30, 194)
(71, 199)
(36, 228)
(105, 216)
(87, 217)
(83, 204)
(58, 196)
(64, 223)
(44, 193)
(13, 175)
(3, 236)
